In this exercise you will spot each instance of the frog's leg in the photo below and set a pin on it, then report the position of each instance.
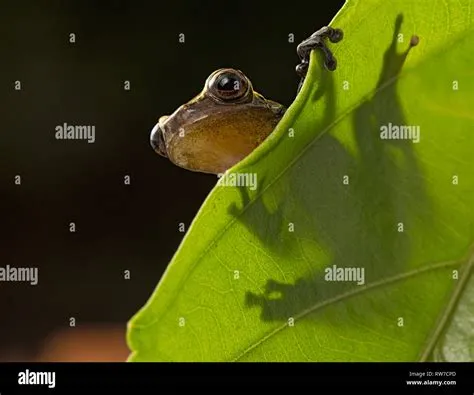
(317, 40)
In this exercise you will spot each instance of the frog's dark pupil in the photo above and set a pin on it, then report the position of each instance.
(228, 84)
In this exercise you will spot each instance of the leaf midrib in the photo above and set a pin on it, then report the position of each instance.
(449, 309)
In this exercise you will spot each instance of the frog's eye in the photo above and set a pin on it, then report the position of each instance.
(229, 85)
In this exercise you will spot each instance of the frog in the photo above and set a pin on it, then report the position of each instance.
(229, 119)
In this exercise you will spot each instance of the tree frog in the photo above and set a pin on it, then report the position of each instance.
(228, 119)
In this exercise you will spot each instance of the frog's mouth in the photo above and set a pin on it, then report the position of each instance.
(157, 142)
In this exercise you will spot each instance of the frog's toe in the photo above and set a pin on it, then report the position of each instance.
(336, 35)
(331, 64)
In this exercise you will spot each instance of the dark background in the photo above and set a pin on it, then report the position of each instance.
(118, 227)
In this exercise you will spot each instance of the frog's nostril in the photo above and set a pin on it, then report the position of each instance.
(157, 142)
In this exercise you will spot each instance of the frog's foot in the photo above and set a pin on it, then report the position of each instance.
(317, 40)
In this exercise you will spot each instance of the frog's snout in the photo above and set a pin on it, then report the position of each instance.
(157, 142)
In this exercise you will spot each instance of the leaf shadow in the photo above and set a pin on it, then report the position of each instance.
(273, 225)
(360, 224)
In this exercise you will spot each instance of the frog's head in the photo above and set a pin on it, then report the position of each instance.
(218, 127)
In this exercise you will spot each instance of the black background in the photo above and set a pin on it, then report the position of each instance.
(294, 378)
(118, 227)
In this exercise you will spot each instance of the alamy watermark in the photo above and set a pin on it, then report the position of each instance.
(19, 274)
(400, 132)
(345, 274)
(37, 378)
(75, 132)
(238, 180)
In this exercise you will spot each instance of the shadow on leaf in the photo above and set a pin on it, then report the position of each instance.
(352, 210)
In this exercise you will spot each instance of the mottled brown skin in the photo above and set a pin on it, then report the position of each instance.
(211, 132)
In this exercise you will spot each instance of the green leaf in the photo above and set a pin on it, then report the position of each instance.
(457, 344)
(249, 282)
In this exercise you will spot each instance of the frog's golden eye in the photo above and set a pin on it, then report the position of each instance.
(228, 85)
